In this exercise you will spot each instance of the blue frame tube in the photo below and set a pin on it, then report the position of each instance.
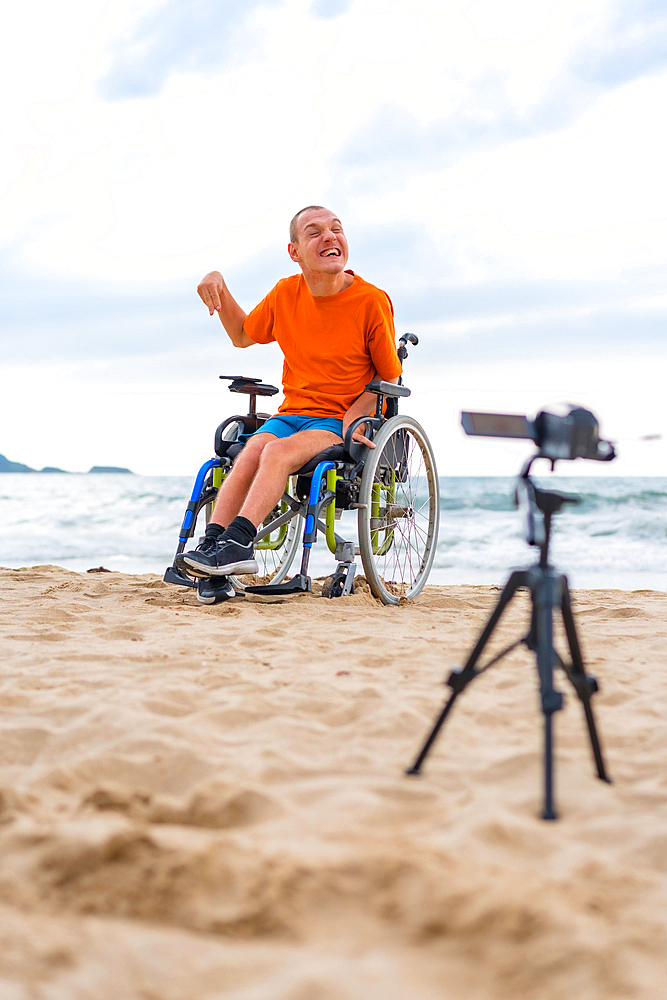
(310, 532)
(187, 528)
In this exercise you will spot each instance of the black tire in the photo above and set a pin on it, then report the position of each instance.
(400, 514)
(334, 585)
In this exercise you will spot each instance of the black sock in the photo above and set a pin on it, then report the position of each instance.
(214, 531)
(241, 530)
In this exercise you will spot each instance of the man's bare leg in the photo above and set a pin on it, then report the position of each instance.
(274, 460)
(236, 483)
(278, 460)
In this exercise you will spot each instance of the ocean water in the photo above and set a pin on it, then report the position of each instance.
(615, 538)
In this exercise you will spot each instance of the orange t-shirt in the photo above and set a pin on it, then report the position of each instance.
(333, 344)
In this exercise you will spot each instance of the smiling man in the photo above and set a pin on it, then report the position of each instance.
(336, 332)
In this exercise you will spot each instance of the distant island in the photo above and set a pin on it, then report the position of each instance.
(105, 468)
(7, 466)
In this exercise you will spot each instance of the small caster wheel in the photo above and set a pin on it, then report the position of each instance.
(333, 585)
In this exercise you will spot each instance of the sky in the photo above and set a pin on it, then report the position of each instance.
(499, 170)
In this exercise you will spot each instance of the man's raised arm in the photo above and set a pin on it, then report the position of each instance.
(215, 295)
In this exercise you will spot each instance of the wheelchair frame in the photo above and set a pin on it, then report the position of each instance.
(347, 476)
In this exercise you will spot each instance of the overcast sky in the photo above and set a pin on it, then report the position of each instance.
(499, 169)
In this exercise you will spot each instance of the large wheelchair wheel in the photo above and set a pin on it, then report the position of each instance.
(275, 552)
(400, 513)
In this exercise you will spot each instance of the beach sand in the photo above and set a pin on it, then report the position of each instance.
(201, 803)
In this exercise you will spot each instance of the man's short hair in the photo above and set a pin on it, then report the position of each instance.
(293, 231)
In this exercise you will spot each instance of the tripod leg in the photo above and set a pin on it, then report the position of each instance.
(439, 722)
(584, 685)
(544, 597)
(549, 811)
(459, 679)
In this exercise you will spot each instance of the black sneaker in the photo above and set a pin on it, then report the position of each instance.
(206, 547)
(214, 590)
(220, 558)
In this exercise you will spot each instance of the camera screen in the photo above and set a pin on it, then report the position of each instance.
(496, 424)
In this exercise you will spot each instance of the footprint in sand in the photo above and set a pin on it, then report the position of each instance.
(217, 806)
(217, 809)
(22, 745)
(602, 612)
(171, 703)
(627, 613)
(119, 633)
(259, 634)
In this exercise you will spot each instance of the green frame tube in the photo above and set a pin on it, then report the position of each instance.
(380, 548)
(275, 543)
(329, 521)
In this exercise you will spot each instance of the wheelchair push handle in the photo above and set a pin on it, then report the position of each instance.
(407, 338)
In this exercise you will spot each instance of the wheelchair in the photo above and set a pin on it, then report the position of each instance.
(393, 489)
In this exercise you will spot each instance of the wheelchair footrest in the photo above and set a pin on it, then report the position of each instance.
(174, 575)
(299, 584)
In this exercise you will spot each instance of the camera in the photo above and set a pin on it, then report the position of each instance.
(573, 434)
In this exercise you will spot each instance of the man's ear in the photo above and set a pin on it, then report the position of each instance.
(293, 251)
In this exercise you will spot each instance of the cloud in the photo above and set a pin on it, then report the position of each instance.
(182, 35)
(634, 45)
(394, 143)
(81, 320)
(62, 319)
(69, 321)
(398, 255)
(328, 9)
(494, 318)
(487, 328)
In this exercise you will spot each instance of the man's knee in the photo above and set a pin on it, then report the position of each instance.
(252, 451)
(289, 454)
(275, 452)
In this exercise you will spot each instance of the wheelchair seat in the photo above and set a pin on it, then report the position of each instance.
(335, 453)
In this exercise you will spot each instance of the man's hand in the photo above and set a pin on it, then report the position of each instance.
(358, 435)
(362, 407)
(215, 295)
(210, 289)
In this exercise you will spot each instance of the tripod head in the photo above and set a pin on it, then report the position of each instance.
(540, 506)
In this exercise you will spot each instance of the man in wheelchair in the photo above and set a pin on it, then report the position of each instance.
(336, 332)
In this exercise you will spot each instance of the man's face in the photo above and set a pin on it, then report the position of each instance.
(321, 242)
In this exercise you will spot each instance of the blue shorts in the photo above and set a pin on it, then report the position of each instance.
(285, 424)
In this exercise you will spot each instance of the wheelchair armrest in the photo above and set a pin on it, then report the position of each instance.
(355, 449)
(381, 388)
(228, 449)
(248, 424)
(250, 386)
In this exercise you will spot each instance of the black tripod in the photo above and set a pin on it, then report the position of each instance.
(548, 590)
